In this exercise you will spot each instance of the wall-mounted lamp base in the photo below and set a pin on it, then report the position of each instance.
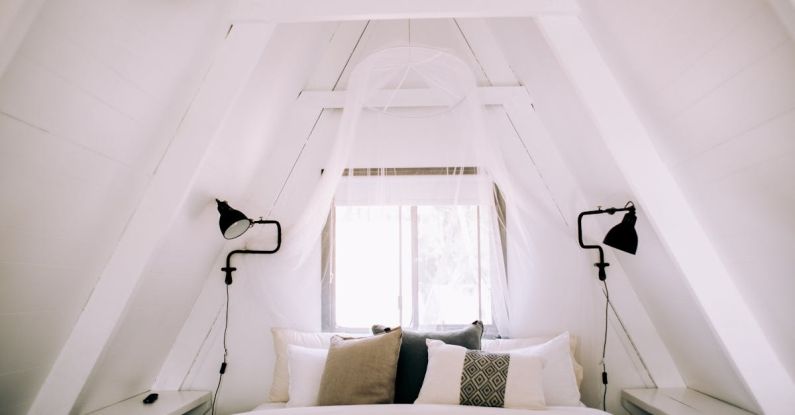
(601, 266)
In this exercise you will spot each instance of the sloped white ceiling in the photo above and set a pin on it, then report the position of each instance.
(716, 82)
(84, 119)
(176, 273)
(658, 281)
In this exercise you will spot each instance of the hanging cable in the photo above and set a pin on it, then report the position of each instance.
(223, 364)
(604, 349)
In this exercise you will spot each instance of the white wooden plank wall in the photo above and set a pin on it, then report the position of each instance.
(85, 107)
(654, 276)
(716, 80)
(188, 256)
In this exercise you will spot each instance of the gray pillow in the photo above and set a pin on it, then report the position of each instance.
(360, 371)
(413, 359)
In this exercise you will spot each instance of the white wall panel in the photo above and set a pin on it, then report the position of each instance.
(31, 287)
(746, 101)
(654, 276)
(18, 389)
(39, 97)
(186, 261)
(753, 38)
(720, 105)
(85, 106)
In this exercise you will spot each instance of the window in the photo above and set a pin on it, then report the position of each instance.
(415, 265)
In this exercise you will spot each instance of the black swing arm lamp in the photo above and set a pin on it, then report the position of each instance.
(621, 236)
(233, 224)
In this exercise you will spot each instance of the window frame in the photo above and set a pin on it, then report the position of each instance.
(328, 245)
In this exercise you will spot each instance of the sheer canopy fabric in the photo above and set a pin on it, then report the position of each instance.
(362, 168)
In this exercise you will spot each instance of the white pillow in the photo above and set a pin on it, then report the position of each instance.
(502, 345)
(505, 345)
(560, 383)
(306, 369)
(456, 375)
(281, 339)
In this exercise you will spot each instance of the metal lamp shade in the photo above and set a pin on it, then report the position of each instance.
(623, 235)
(232, 222)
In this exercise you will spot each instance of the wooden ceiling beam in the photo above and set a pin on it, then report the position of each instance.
(408, 98)
(279, 11)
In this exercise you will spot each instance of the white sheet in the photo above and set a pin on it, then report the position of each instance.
(408, 409)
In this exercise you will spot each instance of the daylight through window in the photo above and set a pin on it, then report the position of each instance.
(415, 265)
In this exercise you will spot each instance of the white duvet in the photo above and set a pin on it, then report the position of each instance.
(409, 409)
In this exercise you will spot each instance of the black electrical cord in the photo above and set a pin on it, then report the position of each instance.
(604, 349)
(223, 364)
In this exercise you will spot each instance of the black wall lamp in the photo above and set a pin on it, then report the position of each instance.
(621, 236)
(233, 224)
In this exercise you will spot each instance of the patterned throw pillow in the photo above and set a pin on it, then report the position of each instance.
(484, 378)
(559, 374)
(469, 377)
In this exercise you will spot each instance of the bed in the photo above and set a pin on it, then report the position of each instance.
(445, 373)
(416, 409)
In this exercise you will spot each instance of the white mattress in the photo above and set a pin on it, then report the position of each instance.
(408, 409)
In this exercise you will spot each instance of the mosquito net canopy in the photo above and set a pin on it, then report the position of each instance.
(422, 216)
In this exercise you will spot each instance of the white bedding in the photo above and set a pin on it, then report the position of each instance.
(408, 409)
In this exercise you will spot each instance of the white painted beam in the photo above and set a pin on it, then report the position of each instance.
(280, 84)
(630, 144)
(279, 11)
(162, 200)
(16, 17)
(785, 10)
(421, 97)
(487, 53)
(337, 56)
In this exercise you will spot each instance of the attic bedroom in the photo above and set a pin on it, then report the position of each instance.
(505, 207)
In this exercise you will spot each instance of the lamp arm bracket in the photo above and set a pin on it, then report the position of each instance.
(229, 269)
(601, 265)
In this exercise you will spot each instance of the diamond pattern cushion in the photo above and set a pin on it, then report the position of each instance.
(457, 376)
(483, 379)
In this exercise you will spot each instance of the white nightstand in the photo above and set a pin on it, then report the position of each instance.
(167, 403)
(675, 401)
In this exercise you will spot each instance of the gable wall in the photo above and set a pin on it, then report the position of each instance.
(85, 118)
(290, 171)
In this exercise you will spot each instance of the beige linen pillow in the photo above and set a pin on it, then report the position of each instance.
(361, 371)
